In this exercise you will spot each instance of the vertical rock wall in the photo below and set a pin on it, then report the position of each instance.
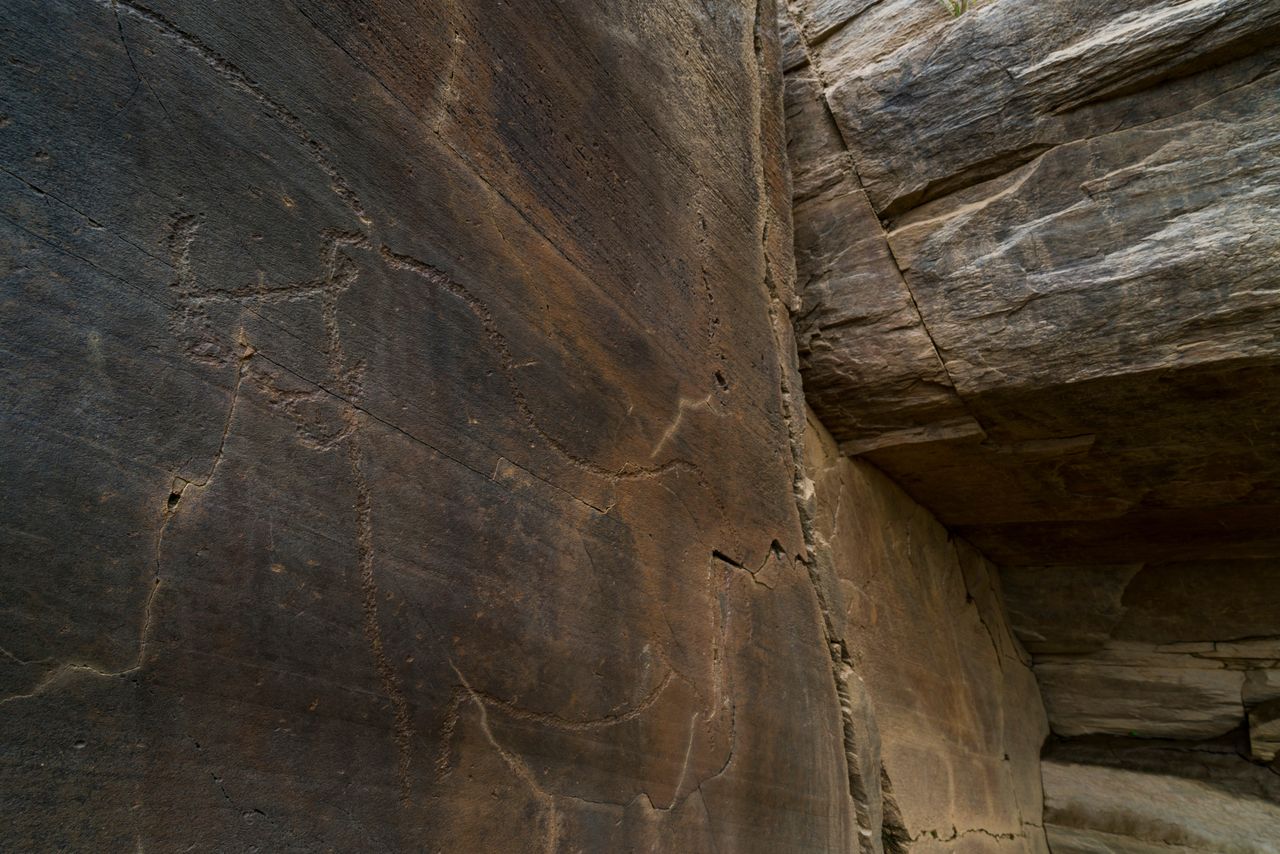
(949, 717)
(401, 433)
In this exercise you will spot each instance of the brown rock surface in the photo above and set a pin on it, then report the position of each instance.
(958, 714)
(1065, 609)
(1170, 650)
(1036, 247)
(1140, 796)
(1080, 201)
(1094, 810)
(853, 294)
(915, 90)
(406, 448)
(1136, 689)
(1036, 253)
(397, 450)
(1264, 730)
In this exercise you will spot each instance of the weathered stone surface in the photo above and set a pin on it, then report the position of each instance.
(1120, 254)
(1222, 605)
(396, 398)
(1130, 796)
(1036, 249)
(1264, 730)
(1220, 763)
(1066, 609)
(1261, 684)
(1124, 690)
(1187, 690)
(1148, 650)
(931, 103)
(859, 331)
(1196, 478)
(1204, 600)
(1082, 203)
(793, 52)
(958, 713)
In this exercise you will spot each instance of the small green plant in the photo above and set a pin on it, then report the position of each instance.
(955, 7)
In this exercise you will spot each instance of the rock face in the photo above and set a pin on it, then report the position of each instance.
(1141, 796)
(1176, 650)
(400, 441)
(1058, 224)
(853, 294)
(1179, 691)
(1178, 667)
(406, 446)
(1264, 730)
(1035, 250)
(1098, 813)
(955, 705)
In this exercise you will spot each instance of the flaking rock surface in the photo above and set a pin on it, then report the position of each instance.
(1057, 224)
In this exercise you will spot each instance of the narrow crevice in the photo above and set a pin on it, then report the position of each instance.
(893, 832)
(864, 793)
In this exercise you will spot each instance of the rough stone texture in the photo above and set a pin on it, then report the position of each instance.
(1264, 730)
(1133, 689)
(399, 447)
(1080, 200)
(853, 294)
(1065, 609)
(1036, 250)
(1173, 650)
(1140, 796)
(958, 714)
(1092, 810)
(1261, 684)
(914, 88)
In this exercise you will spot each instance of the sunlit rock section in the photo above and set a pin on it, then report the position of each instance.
(400, 449)
(1066, 254)
(934, 673)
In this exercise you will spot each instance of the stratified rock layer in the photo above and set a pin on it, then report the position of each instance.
(859, 330)
(1143, 796)
(1264, 730)
(1183, 650)
(1058, 224)
(398, 452)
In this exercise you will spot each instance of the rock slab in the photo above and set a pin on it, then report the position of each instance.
(1141, 796)
(1036, 251)
(958, 716)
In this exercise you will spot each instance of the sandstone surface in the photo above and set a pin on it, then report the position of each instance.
(398, 446)
(1141, 796)
(406, 445)
(1181, 650)
(1035, 249)
(1264, 730)
(958, 713)
(1064, 247)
